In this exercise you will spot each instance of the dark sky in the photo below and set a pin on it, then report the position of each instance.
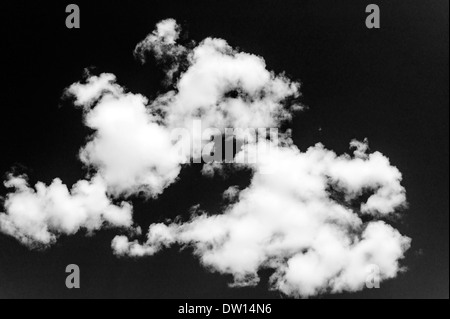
(390, 85)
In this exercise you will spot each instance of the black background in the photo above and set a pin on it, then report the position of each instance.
(390, 85)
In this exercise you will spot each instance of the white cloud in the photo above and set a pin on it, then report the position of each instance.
(288, 221)
(132, 150)
(298, 216)
(161, 42)
(94, 87)
(214, 70)
(129, 149)
(37, 216)
(231, 193)
(227, 89)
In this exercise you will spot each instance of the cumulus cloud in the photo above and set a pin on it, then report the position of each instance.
(288, 221)
(301, 216)
(228, 89)
(37, 216)
(134, 148)
(129, 148)
(161, 44)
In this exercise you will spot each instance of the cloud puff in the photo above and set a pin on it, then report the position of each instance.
(301, 216)
(129, 148)
(228, 89)
(37, 216)
(288, 221)
(161, 43)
